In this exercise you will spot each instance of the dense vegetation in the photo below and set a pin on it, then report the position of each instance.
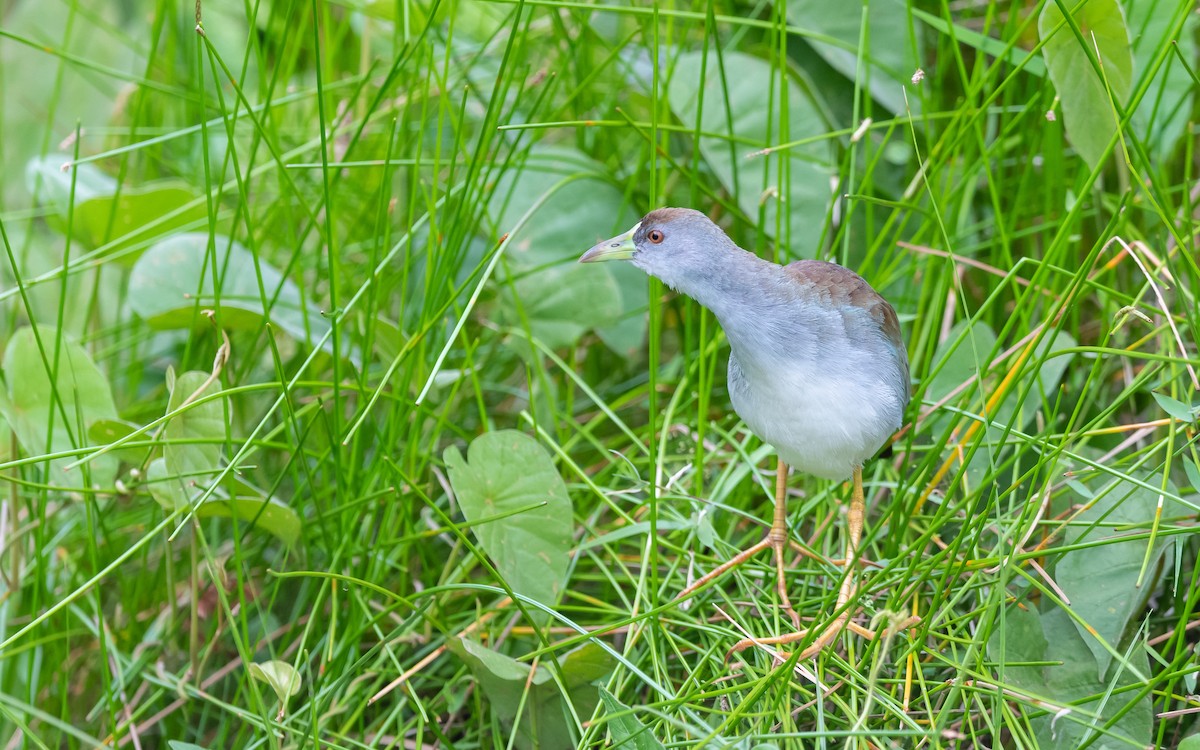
(315, 434)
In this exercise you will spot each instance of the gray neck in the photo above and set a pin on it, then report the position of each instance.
(766, 317)
(731, 290)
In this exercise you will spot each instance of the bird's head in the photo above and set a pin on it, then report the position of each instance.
(678, 246)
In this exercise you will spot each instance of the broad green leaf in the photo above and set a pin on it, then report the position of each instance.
(1176, 408)
(182, 475)
(988, 45)
(174, 279)
(37, 253)
(1017, 640)
(194, 436)
(889, 56)
(192, 456)
(53, 60)
(561, 303)
(52, 175)
(1088, 115)
(281, 676)
(1193, 473)
(1102, 581)
(967, 349)
(268, 514)
(1173, 88)
(628, 732)
(388, 340)
(177, 745)
(167, 489)
(168, 204)
(585, 665)
(427, 271)
(545, 719)
(1068, 682)
(562, 299)
(509, 477)
(1190, 743)
(962, 355)
(107, 431)
(493, 663)
(1008, 413)
(573, 215)
(52, 414)
(705, 532)
(739, 123)
(273, 516)
(102, 211)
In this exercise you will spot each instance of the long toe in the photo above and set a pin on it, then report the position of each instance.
(722, 569)
(826, 637)
(779, 545)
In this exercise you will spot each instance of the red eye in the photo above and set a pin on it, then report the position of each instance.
(655, 236)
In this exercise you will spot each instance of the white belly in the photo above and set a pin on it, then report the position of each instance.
(819, 422)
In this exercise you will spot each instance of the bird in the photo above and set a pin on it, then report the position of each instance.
(817, 369)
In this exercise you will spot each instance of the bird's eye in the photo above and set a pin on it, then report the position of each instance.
(655, 236)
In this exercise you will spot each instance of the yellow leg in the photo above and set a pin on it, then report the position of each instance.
(854, 522)
(776, 539)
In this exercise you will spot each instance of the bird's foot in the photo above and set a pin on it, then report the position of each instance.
(777, 544)
(840, 562)
(824, 638)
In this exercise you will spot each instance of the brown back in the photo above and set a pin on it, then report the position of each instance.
(841, 287)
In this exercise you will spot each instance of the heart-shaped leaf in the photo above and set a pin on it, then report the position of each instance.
(51, 177)
(518, 508)
(1080, 705)
(179, 276)
(560, 299)
(1102, 581)
(192, 457)
(169, 205)
(107, 431)
(544, 711)
(561, 303)
(194, 436)
(268, 514)
(51, 409)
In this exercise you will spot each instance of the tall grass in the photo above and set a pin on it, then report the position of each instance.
(423, 176)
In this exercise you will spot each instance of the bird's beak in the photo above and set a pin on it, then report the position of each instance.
(620, 247)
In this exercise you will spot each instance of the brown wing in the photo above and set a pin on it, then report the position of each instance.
(841, 286)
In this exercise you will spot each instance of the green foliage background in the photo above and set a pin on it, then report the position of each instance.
(314, 433)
